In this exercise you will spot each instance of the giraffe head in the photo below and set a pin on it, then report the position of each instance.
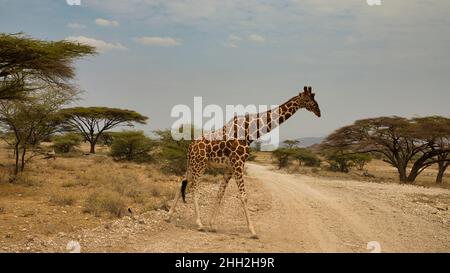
(308, 102)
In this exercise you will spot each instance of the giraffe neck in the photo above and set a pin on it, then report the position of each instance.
(275, 117)
(251, 127)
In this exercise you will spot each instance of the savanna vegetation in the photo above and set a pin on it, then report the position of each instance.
(76, 164)
(411, 147)
(408, 145)
(52, 177)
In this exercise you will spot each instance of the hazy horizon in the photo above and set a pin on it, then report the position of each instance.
(362, 61)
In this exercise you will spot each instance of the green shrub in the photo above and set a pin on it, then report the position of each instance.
(173, 153)
(66, 143)
(307, 158)
(341, 162)
(131, 146)
(106, 138)
(360, 160)
(283, 156)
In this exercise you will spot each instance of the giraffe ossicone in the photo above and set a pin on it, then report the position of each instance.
(229, 147)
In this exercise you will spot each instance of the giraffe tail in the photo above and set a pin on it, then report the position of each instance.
(183, 189)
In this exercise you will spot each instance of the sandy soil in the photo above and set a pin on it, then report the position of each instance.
(291, 213)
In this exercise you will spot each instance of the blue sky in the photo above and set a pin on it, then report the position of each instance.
(363, 61)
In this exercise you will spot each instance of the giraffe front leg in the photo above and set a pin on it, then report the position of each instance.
(247, 216)
(200, 226)
(243, 198)
(222, 188)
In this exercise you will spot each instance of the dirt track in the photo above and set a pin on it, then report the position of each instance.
(291, 213)
(314, 214)
(304, 214)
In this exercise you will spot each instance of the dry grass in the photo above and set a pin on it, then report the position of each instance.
(71, 193)
(27, 180)
(105, 202)
(63, 199)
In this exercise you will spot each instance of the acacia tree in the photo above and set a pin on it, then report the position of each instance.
(435, 130)
(92, 122)
(291, 143)
(400, 140)
(35, 80)
(31, 121)
(28, 64)
(443, 163)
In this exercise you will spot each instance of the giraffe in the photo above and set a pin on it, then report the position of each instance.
(229, 147)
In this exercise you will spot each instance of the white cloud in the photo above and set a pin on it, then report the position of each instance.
(99, 44)
(256, 38)
(158, 41)
(106, 23)
(233, 41)
(233, 37)
(75, 26)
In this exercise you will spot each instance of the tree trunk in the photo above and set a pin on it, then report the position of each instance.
(414, 172)
(92, 147)
(402, 173)
(442, 167)
(412, 176)
(16, 154)
(24, 151)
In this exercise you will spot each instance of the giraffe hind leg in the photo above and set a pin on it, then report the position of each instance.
(177, 197)
(222, 187)
(196, 174)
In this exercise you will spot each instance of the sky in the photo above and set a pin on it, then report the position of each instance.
(362, 61)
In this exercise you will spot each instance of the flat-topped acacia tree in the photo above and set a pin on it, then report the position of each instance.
(416, 143)
(436, 131)
(28, 64)
(91, 122)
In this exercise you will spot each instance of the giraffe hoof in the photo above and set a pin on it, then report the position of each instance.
(254, 236)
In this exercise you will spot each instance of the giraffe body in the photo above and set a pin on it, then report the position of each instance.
(228, 148)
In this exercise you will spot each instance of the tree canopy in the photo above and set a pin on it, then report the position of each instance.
(436, 130)
(131, 146)
(91, 122)
(291, 143)
(400, 140)
(31, 121)
(27, 64)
